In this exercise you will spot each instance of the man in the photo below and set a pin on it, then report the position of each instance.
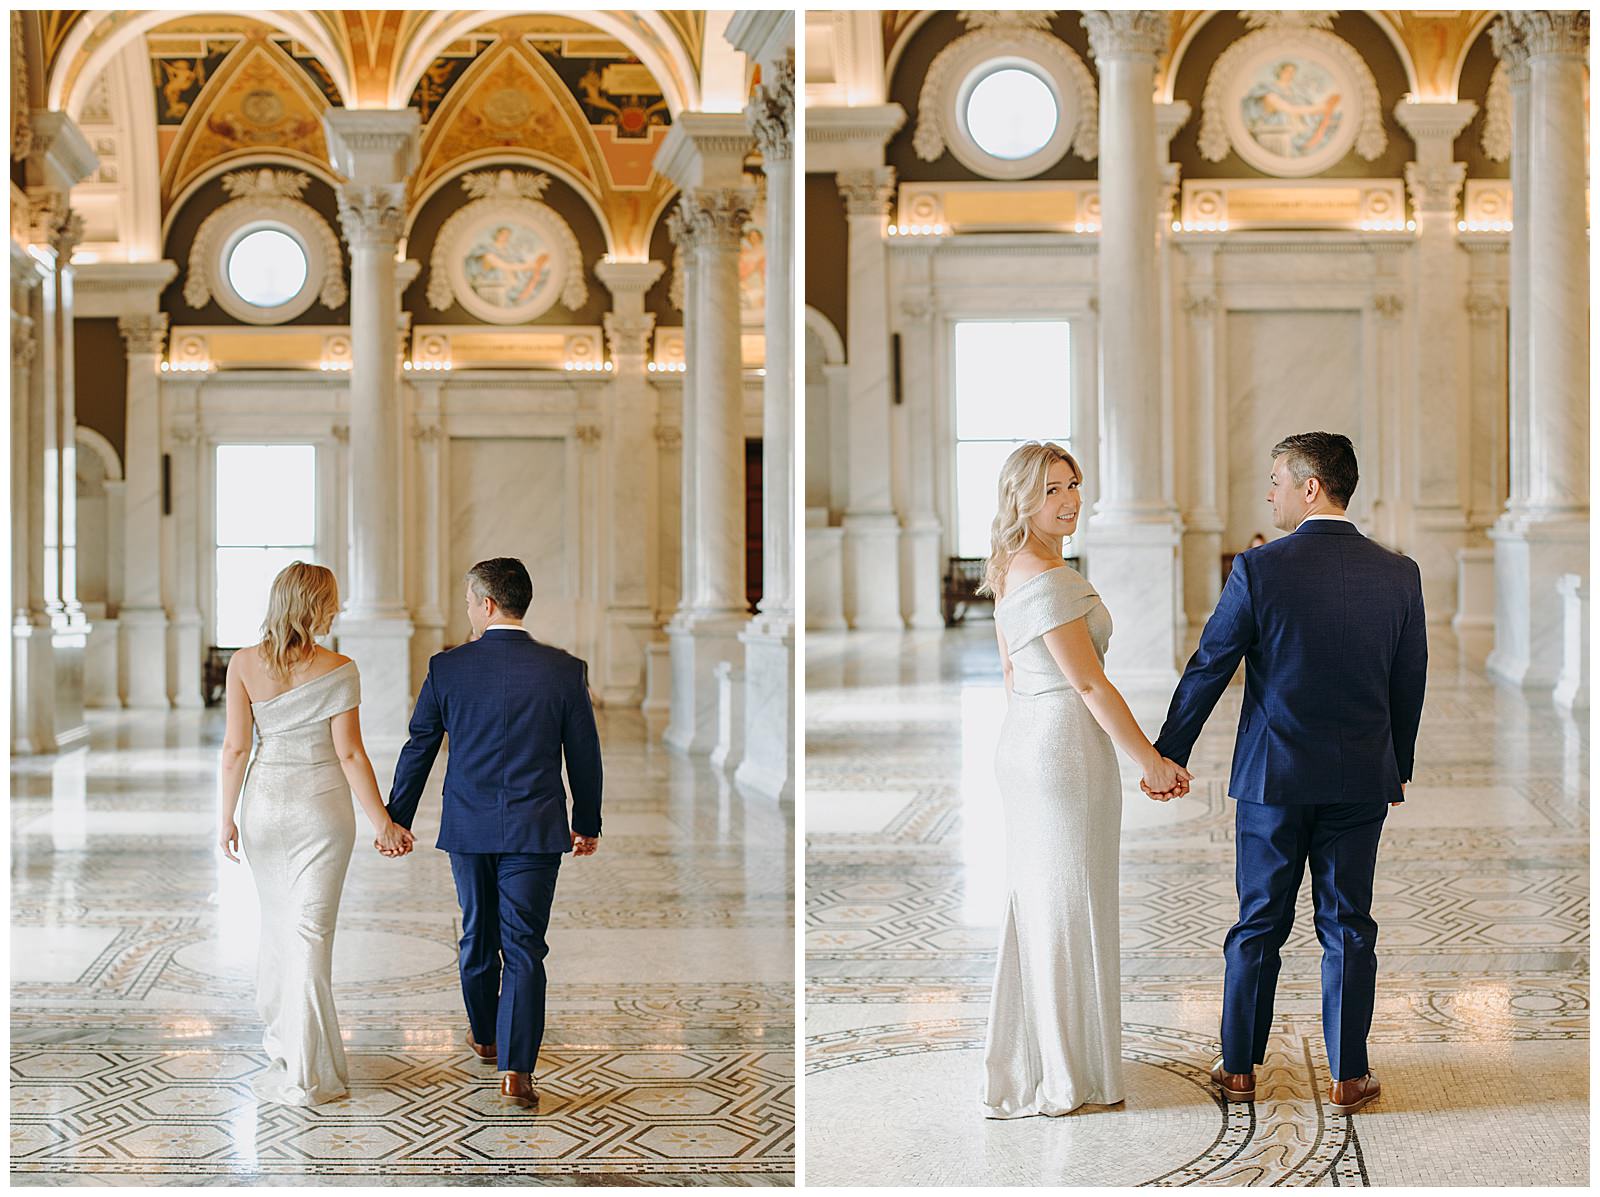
(1332, 632)
(512, 708)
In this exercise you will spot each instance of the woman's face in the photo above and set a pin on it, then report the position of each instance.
(1062, 501)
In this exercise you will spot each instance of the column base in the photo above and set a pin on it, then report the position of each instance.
(872, 572)
(620, 677)
(381, 649)
(1530, 555)
(657, 702)
(1572, 684)
(699, 640)
(68, 648)
(768, 767)
(142, 657)
(184, 661)
(729, 750)
(920, 574)
(427, 640)
(1474, 613)
(825, 577)
(1438, 540)
(1133, 564)
(33, 687)
(1202, 572)
(101, 666)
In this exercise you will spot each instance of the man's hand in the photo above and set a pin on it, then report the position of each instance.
(395, 842)
(1403, 785)
(1178, 791)
(585, 845)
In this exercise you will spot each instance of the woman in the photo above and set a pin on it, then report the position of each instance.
(1055, 1039)
(297, 824)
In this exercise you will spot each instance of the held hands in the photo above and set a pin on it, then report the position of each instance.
(1164, 779)
(394, 841)
(585, 845)
(228, 837)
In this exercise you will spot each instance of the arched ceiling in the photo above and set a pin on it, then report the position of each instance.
(1432, 43)
(589, 95)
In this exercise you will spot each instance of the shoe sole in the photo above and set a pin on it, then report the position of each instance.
(525, 1103)
(1355, 1105)
(1235, 1095)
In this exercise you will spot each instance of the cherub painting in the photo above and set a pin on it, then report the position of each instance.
(509, 267)
(179, 75)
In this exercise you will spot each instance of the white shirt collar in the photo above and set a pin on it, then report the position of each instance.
(509, 627)
(1344, 519)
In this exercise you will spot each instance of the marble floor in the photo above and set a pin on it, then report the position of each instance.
(669, 1055)
(1481, 1032)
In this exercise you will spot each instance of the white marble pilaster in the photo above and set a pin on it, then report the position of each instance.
(921, 531)
(629, 463)
(871, 528)
(429, 446)
(143, 621)
(765, 751)
(1549, 536)
(1203, 432)
(824, 572)
(704, 154)
(1134, 527)
(1487, 282)
(185, 627)
(376, 151)
(32, 662)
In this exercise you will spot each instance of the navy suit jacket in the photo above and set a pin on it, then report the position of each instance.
(511, 707)
(1331, 629)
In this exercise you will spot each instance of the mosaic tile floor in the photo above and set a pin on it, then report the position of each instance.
(669, 1057)
(1481, 1030)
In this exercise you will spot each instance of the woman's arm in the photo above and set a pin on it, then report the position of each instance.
(235, 756)
(1005, 656)
(1073, 650)
(363, 782)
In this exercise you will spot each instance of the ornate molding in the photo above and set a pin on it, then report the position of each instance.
(1496, 139)
(21, 124)
(588, 434)
(372, 215)
(512, 196)
(867, 190)
(996, 34)
(53, 223)
(710, 218)
(24, 342)
(1305, 30)
(917, 307)
(341, 433)
(629, 336)
(1552, 33)
(1202, 305)
(770, 113)
(145, 333)
(1128, 34)
(1388, 304)
(264, 194)
(426, 432)
(1435, 190)
(1511, 50)
(185, 433)
(669, 436)
(1486, 306)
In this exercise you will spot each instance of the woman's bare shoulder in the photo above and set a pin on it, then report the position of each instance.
(1025, 566)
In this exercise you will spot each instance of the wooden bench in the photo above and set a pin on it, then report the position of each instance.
(214, 675)
(961, 586)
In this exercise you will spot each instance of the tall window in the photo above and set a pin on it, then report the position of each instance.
(266, 518)
(1013, 383)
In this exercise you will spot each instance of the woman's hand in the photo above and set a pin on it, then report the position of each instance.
(228, 837)
(393, 840)
(1164, 779)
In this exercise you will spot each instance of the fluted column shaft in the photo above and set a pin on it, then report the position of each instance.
(142, 620)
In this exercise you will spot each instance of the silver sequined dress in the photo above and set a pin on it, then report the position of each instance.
(297, 827)
(1055, 1040)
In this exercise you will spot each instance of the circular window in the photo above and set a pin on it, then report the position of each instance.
(267, 267)
(1011, 113)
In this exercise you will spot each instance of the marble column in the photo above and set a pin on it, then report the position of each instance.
(1438, 431)
(871, 529)
(376, 151)
(630, 462)
(1511, 49)
(1134, 529)
(707, 226)
(32, 661)
(1203, 431)
(142, 653)
(766, 764)
(921, 569)
(1550, 535)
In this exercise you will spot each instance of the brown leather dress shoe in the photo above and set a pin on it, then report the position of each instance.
(1235, 1086)
(1346, 1097)
(516, 1089)
(484, 1051)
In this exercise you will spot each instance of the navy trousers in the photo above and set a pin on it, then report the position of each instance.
(1272, 845)
(505, 911)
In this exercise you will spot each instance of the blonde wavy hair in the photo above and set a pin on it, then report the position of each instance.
(304, 600)
(1022, 483)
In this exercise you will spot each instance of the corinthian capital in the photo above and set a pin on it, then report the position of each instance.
(372, 214)
(867, 190)
(1511, 49)
(771, 113)
(144, 333)
(1553, 33)
(1435, 189)
(630, 334)
(53, 223)
(710, 218)
(1128, 34)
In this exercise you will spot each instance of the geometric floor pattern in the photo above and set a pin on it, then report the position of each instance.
(1481, 900)
(669, 1051)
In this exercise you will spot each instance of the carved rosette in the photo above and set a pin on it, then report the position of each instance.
(770, 114)
(1553, 33)
(1434, 190)
(372, 216)
(145, 333)
(710, 218)
(867, 191)
(1128, 34)
(629, 336)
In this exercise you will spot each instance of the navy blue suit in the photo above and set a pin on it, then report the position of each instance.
(513, 709)
(1331, 628)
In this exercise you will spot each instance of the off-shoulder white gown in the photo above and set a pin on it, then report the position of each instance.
(1055, 1033)
(297, 827)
